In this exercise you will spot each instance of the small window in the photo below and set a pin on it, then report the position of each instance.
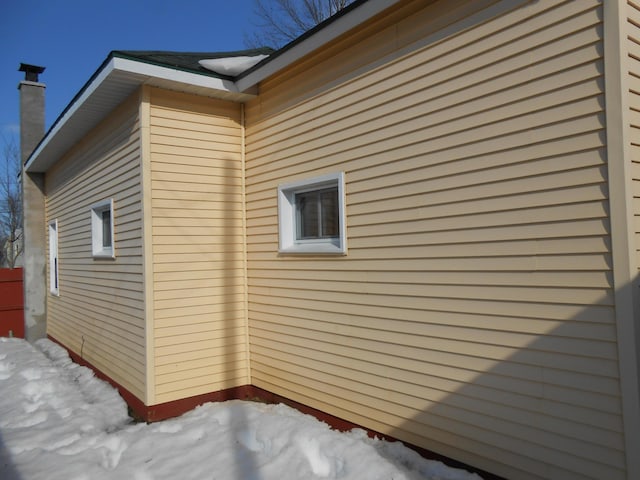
(311, 216)
(102, 229)
(53, 257)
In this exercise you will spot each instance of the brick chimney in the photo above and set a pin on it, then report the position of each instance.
(32, 123)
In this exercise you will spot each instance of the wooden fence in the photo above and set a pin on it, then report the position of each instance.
(11, 303)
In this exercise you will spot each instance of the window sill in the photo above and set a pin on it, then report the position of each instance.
(104, 255)
(313, 249)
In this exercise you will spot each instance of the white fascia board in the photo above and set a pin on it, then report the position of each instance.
(336, 28)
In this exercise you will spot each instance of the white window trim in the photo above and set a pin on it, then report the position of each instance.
(54, 264)
(287, 217)
(97, 249)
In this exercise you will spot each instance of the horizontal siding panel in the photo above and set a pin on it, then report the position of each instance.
(192, 202)
(390, 378)
(447, 366)
(373, 148)
(198, 253)
(190, 169)
(523, 294)
(177, 181)
(103, 360)
(228, 257)
(162, 143)
(99, 314)
(200, 150)
(388, 246)
(166, 121)
(233, 224)
(183, 132)
(195, 275)
(206, 364)
(364, 304)
(516, 264)
(196, 315)
(168, 242)
(533, 279)
(196, 284)
(177, 354)
(433, 204)
(230, 286)
(503, 345)
(202, 300)
(409, 320)
(198, 376)
(487, 189)
(445, 136)
(185, 341)
(117, 323)
(601, 441)
(206, 327)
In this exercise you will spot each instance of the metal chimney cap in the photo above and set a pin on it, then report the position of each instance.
(31, 72)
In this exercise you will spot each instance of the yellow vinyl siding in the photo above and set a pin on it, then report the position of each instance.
(198, 256)
(633, 77)
(99, 314)
(474, 312)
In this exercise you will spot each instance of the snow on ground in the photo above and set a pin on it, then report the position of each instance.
(58, 421)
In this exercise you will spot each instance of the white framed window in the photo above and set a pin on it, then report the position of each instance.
(311, 215)
(102, 243)
(53, 258)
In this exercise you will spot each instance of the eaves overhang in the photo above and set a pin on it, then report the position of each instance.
(115, 80)
(121, 75)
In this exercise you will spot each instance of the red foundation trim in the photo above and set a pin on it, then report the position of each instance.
(175, 408)
(343, 425)
(162, 411)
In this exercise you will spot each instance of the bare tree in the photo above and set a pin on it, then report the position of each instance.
(282, 21)
(11, 242)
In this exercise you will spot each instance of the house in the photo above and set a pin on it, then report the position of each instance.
(419, 218)
(11, 256)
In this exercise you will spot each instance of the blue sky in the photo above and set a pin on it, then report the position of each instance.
(71, 38)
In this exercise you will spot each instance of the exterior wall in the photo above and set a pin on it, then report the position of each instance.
(474, 312)
(633, 76)
(200, 336)
(99, 314)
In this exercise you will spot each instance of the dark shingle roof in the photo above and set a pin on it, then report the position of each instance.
(187, 61)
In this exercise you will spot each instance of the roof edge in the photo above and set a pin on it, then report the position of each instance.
(103, 71)
(324, 32)
(124, 61)
(109, 68)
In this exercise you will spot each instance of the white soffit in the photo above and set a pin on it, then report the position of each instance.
(113, 84)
